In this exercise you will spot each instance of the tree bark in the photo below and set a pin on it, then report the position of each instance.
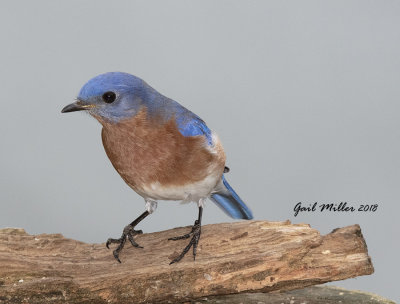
(232, 258)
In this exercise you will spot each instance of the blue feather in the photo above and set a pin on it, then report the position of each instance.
(190, 124)
(228, 200)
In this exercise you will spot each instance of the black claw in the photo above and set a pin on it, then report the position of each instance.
(194, 248)
(128, 233)
(195, 232)
(134, 244)
(185, 236)
(111, 241)
(116, 255)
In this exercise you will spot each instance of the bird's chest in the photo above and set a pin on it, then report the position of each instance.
(156, 160)
(136, 151)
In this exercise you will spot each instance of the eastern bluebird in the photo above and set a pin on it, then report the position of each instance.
(161, 150)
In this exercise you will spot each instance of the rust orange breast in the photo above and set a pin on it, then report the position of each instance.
(144, 153)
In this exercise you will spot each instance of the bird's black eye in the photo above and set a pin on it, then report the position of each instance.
(109, 97)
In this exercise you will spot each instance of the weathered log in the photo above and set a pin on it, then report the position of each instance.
(309, 295)
(247, 256)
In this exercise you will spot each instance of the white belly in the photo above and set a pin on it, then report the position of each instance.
(186, 193)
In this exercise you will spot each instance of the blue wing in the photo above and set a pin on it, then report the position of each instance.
(189, 124)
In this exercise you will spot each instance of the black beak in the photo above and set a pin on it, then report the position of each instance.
(76, 106)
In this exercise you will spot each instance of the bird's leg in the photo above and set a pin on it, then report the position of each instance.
(128, 232)
(195, 232)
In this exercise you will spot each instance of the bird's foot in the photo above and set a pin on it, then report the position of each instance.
(195, 233)
(128, 233)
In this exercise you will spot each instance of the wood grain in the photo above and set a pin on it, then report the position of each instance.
(247, 256)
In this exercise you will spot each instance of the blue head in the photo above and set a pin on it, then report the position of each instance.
(112, 96)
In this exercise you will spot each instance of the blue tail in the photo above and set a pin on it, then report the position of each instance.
(231, 203)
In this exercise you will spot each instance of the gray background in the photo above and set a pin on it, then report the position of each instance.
(304, 95)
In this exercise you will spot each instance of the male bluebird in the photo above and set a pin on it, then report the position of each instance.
(161, 150)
